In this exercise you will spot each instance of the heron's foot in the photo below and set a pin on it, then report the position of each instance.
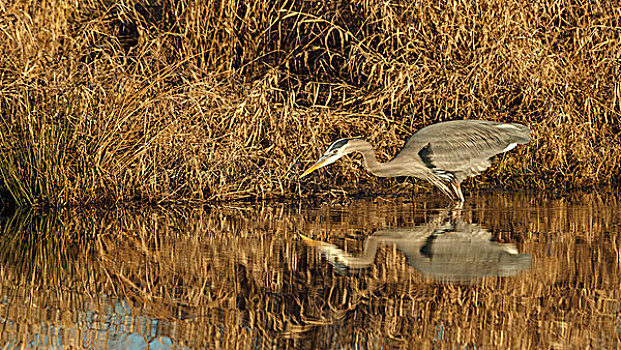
(457, 209)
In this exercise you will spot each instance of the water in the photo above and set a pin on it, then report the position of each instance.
(509, 271)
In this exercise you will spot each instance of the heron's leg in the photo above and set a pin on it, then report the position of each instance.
(457, 189)
(459, 205)
(412, 195)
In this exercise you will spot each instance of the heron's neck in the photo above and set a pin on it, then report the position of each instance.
(360, 262)
(370, 162)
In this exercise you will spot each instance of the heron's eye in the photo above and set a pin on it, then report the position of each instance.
(335, 151)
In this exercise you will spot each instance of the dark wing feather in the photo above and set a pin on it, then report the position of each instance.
(457, 149)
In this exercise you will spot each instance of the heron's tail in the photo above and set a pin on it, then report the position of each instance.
(520, 133)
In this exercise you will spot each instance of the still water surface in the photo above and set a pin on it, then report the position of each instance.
(509, 271)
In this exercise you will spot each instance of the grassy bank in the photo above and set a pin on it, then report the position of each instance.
(104, 101)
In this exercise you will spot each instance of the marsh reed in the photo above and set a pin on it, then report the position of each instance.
(178, 101)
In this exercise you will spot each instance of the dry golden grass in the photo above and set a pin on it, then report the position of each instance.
(239, 278)
(114, 101)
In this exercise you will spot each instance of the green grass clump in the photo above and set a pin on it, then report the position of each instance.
(106, 101)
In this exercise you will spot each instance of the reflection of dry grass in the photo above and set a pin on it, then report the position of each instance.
(206, 100)
(239, 278)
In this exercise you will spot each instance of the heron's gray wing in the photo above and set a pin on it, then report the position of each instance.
(457, 149)
(463, 252)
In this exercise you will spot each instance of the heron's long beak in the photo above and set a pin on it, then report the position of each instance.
(323, 161)
(308, 241)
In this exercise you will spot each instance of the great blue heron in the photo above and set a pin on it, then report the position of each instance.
(443, 153)
(444, 249)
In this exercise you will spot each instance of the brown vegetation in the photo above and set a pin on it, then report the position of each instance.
(107, 101)
(240, 278)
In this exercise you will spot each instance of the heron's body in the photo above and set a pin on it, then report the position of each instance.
(444, 154)
(445, 249)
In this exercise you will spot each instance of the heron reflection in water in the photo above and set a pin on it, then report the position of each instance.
(449, 250)
(444, 154)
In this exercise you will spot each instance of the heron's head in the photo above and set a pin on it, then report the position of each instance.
(336, 150)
